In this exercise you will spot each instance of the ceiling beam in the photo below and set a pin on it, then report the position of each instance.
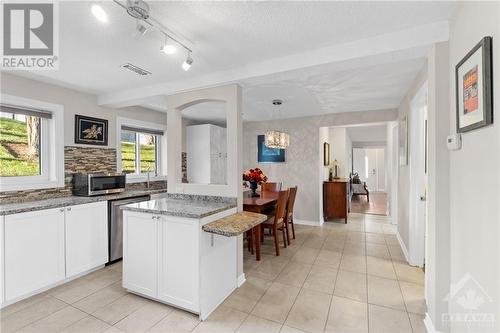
(416, 37)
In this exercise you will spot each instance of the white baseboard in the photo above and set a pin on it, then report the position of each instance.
(429, 326)
(307, 222)
(241, 279)
(403, 246)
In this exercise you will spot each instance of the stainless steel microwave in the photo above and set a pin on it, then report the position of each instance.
(87, 185)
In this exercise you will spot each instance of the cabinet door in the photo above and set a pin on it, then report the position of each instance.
(179, 262)
(86, 237)
(140, 250)
(34, 251)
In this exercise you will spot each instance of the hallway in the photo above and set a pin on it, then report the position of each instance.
(376, 206)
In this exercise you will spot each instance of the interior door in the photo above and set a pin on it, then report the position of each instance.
(371, 169)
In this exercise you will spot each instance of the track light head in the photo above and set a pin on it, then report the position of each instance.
(186, 65)
(98, 12)
(141, 28)
(168, 47)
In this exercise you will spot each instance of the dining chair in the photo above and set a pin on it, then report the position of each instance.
(272, 187)
(277, 222)
(292, 193)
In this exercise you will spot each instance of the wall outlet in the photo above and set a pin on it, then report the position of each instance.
(454, 141)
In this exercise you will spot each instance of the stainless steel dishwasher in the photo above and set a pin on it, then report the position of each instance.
(115, 226)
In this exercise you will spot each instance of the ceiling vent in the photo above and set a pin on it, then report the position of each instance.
(135, 69)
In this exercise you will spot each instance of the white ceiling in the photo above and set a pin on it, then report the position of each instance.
(241, 36)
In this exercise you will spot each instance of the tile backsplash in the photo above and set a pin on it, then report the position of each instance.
(76, 160)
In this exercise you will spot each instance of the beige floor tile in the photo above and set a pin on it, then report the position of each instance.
(176, 322)
(113, 329)
(119, 309)
(328, 258)
(391, 240)
(245, 297)
(385, 292)
(294, 274)
(321, 278)
(351, 285)
(385, 320)
(417, 323)
(310, 311)
(222, 320)
(396, 253)
(276, 302)
(356, 237)
(408, 273)
(101, 298)
(254, 324)
(347, 316)
(357, 248)
(118, 266)
(144, 318)
(354, 227)
(377, 250)
(336, 245)
(306, 255)
(288, 329)
(413, 295)
(56, 321)
(353, 263)
(390, 229)
(23, 304)
(270, 267)
(375, 238)
(314, 241)
(29, 314)
(374, 227)
(88, 324)
(380, 267)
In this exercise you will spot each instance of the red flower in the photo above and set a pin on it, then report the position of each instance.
(254, 175)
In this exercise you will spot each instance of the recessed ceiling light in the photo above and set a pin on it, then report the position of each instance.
(186, 65)
(99, 12)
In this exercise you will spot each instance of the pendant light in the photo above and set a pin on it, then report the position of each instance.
(275, 138)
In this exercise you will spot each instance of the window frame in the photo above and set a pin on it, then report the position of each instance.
(51, 148)
(160, 147)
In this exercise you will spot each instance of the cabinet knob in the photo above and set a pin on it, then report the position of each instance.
(68, 209)
(61, 210)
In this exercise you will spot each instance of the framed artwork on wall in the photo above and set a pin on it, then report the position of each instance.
(268, 155)
(91, 131)
(473, 85)
(403, 141)
(326, 154)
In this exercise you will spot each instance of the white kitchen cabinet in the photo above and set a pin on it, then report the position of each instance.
(206, 149)
(171, 260)
(34, 252)
(86, 237)
(140, 253)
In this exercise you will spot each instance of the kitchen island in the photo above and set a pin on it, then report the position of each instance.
(169, 258)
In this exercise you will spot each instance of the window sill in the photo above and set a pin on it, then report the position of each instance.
(141, 179)
(26, 185)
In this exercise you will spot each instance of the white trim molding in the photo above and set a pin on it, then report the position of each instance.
(403, 246)
(307, 222)
(429, 325)
(51, 148)
(241, 280)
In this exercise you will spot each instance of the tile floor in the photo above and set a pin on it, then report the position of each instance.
(335, 278)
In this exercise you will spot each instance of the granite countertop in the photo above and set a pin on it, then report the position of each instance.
(29, 206)
(188, 206)
(235, 224)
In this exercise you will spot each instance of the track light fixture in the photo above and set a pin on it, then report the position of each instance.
(186, 65)
(98, 12)
(141, 28)
(168, 47)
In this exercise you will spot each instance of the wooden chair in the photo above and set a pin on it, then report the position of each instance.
(273, 187)
(277, 222)
(292, 193)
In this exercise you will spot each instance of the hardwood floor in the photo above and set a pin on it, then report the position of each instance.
(377, 204)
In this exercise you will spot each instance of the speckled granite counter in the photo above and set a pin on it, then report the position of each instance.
(234, 225)
(29, 206)
(190, 206)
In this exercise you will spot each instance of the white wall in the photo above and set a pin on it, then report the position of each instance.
(303, 155)
(340, 146)
(475, 169)
(75, 102)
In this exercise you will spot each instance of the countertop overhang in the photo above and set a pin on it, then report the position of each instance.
(234, 225)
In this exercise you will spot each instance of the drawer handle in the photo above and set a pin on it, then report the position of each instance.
(69, 209)
(61, 210)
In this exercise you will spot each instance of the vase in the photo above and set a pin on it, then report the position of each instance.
(253, 187)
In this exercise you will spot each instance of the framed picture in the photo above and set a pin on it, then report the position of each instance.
(326, 154)
(474, 82)
(268, 155)
(403, 141)
(91, 131)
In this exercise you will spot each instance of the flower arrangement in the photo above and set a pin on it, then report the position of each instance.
(255, 175)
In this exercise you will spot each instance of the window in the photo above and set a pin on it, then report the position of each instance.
(30, 155)
(140, 146)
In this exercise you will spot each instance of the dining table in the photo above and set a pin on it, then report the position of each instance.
(262, 204)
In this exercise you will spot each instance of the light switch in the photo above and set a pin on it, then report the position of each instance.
(454, 141)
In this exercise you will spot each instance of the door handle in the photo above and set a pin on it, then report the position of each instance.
(423, 198)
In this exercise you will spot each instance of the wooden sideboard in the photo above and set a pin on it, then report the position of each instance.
(336, 199)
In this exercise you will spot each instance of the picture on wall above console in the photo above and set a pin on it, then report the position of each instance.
(268, 155)
(474, 82)
(91, 131)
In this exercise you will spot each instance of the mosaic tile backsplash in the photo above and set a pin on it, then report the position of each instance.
(76, 160)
